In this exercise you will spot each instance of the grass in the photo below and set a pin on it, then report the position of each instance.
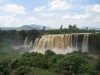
(8, 56)
(38, 71)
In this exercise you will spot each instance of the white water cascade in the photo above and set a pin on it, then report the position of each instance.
(62, 43)
(27, 42)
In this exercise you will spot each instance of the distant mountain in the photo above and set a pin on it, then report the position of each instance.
(26, 27)
(7, 28)
(40, 27)
(91, 28)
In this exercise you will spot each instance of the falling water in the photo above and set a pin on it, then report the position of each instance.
(85, 43)
(27, 43)
(61, 43)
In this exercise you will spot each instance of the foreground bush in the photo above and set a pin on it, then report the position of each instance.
(98, 65)
(30, 59)
(49, 53)
(75, 64)
(72, 63)
(23, 70)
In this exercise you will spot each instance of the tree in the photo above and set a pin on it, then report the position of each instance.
(22, 70)
(34, 60)
(5, 67)
(98, 65)
(75, 64)
(49, 52)
(15, 64)
(52, 60)
(61, 27)
(44, 28)
(74, 27)
(70, 27)
(33, 34)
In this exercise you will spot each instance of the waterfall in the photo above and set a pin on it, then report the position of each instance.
(61, 43)
(85, 43)
(27, 43)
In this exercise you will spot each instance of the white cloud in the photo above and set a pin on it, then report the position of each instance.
(47, 14)
(66, 17)
(38, 9)
(85, 16)
(92, 8)
(12, 21)
(75, 0)
(13, 8)
(31, 20)
(77, 16)
(7, 20)
(59, 5)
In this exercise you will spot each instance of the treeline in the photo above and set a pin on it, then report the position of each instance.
(70, 29)
(75, 63)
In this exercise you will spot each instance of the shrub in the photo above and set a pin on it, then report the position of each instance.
(53, 60)
(23, 70)
(49, 52)
(34, 60)
(73, 63)
(98, 65)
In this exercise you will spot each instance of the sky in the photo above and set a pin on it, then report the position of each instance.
(52, 13)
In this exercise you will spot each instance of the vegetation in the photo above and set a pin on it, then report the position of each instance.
(75, 63)
(70, 29)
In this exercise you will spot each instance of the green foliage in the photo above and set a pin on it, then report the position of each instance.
(94, 72)
(5, 67)
(8, 56)
(70, 29)
(94, 43)
(77, 63)
(98, 65)
(52, 60)
(15, 64)
(39, 71)
(33, 59)
(49, 52)
(72, 63)
(23, 70)
(33, 34)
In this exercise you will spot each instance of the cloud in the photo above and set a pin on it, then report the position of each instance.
(75, 0)
(38, 9)
(13, 8)
(59, 5)
(1, 1)
(76, 16)
(92, 8)
(7, 20)
(30, 20)
(13, 21)
(85, 16)
(67, 17)
(47, 14)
